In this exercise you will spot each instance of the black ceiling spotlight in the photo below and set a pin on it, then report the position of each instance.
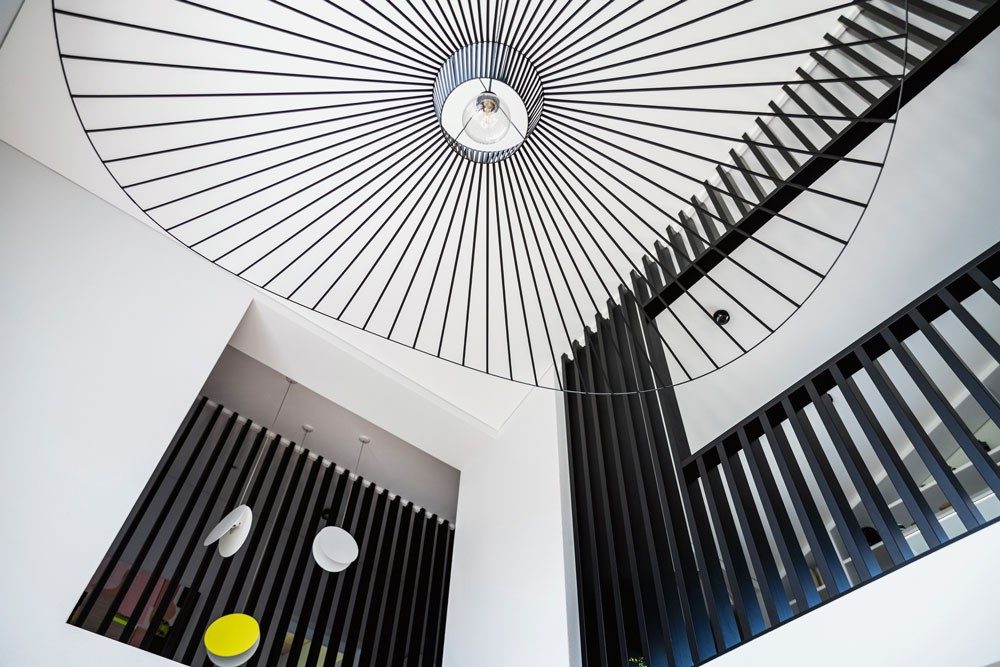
(721, 317)
(474, 183)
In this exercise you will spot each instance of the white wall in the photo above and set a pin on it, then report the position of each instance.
(109, 331)
(934, 210)
(939, 610)
(507, 603)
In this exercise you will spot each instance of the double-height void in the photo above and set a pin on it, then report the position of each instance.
(415, 332)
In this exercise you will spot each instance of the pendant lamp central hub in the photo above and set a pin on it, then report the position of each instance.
(488, 98)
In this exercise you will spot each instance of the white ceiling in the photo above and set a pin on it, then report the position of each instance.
(247, 386)
(39, 119)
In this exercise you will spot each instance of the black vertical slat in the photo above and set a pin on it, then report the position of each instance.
(777, 145)
(428, 637)
(630, 511)
(725, 216)
(904, 484)
(364, 581)
(628, 421)
(966, 376)
(270, 545)
(155, 529)
(827, 561)
(752, 179)
(952, 421)
(588, 570)
(758, 153)
(792, 127)
(914, 33)
(672, 447)
(722, 613)
(612, 604)
(801, 103)
(871, 498)
(679, 251)
(883, 45)
(128, 531)
(379, 585)
(858, 58)
(769, 579)
(865, 564)
(928, 452)
(796, 569)
(443, 611)
(355, 519)
(387, 609)
(401, 624)
(665, 261)
(304, 559)
(262, 514)
(187, 612)
(331, 581)
(855, 87)
(437, 599)
(972, 324)
(734, 191)
(317, 575)
(175, 577)
(417, 647)
(985, 284)
(694, 240)
(219, 577)
(708, 228)
(748, 613)
(825, 93)
(348, 585)
(933, 13)
(273, 630)
(635, 368)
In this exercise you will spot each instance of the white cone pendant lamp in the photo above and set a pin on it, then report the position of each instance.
(232, 531)
(334, 549)
(232, 640)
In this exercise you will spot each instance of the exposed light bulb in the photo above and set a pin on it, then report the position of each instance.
(486, 119)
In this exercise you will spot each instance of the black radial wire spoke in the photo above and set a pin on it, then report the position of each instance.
(260, 49)
(390, 124)
(624, 253)
(705, 210)
(418, 145)
(437, 266)
(335, 45)
(551, 85)
(714, 216)
(620, 277)
(367, 156)
(246, 135)
(576, 168)
(704, 42)
(737, 112)
(709, 135)
(438, 154)
(727, 85)
(451, 164)
(415, 62)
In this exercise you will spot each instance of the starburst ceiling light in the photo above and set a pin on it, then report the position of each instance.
(493, 183)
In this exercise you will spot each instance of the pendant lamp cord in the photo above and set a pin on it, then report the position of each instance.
(260, 454)
(357, 466)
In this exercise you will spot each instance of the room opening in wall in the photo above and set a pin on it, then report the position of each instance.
(303, 467)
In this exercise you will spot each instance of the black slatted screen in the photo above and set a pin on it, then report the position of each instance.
(158, 588)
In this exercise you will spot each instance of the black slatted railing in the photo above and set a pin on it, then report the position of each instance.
(884, 453)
